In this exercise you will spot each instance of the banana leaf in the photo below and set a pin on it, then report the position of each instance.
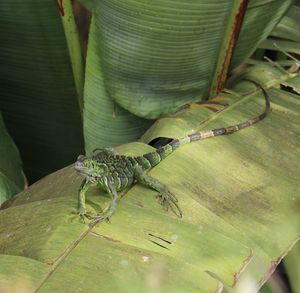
(288, 27)
(283, 40)
(38, 98)
(41, 80)
(42, 74)
(104, 122)
(159, 55)
(12, 179)
(239, 195)
(291, 264)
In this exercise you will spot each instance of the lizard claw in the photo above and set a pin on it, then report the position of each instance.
(168, 200)
(104, 216)
(84, 214)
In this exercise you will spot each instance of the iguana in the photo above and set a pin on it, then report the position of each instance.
(113, 172)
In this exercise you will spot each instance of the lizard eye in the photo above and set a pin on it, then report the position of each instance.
(96, 149)
(80, 157)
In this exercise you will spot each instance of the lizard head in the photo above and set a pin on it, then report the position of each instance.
(90, 168)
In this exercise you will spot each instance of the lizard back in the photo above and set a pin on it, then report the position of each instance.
(120, 168)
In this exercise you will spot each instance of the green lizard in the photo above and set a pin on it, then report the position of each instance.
(113, 172)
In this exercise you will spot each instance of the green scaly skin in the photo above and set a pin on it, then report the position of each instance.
(113, 172)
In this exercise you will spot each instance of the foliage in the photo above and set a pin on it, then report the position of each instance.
(41, 71)
(241, 217)
(38, 96)
(291, 263)
(283, 40)
(11, 174)
(145, 60)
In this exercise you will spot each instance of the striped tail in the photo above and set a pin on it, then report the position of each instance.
(154, 158)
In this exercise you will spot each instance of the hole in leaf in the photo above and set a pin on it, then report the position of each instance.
(289, 89)
(160, 141)
(160, 245)
(163, 239)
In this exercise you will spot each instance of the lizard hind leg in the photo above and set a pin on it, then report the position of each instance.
(165, 197)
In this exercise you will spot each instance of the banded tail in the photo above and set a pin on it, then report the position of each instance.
(153, 158)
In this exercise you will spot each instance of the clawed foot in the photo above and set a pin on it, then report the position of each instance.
(94, 217)
(169, 201)
(84, 214)
(104, 216)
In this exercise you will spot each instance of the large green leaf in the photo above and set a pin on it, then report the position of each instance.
(38, 98)
(158, 55)
(288, 28)
(11, 174)
(105, 123)
(239, 196)
(291, 264)
(284, 40)
(261, 17)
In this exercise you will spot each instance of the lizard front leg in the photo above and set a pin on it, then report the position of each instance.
(111, 190)
(166, 198)
(81, 199)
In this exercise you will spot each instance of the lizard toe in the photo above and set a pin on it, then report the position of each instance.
(167, 202)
